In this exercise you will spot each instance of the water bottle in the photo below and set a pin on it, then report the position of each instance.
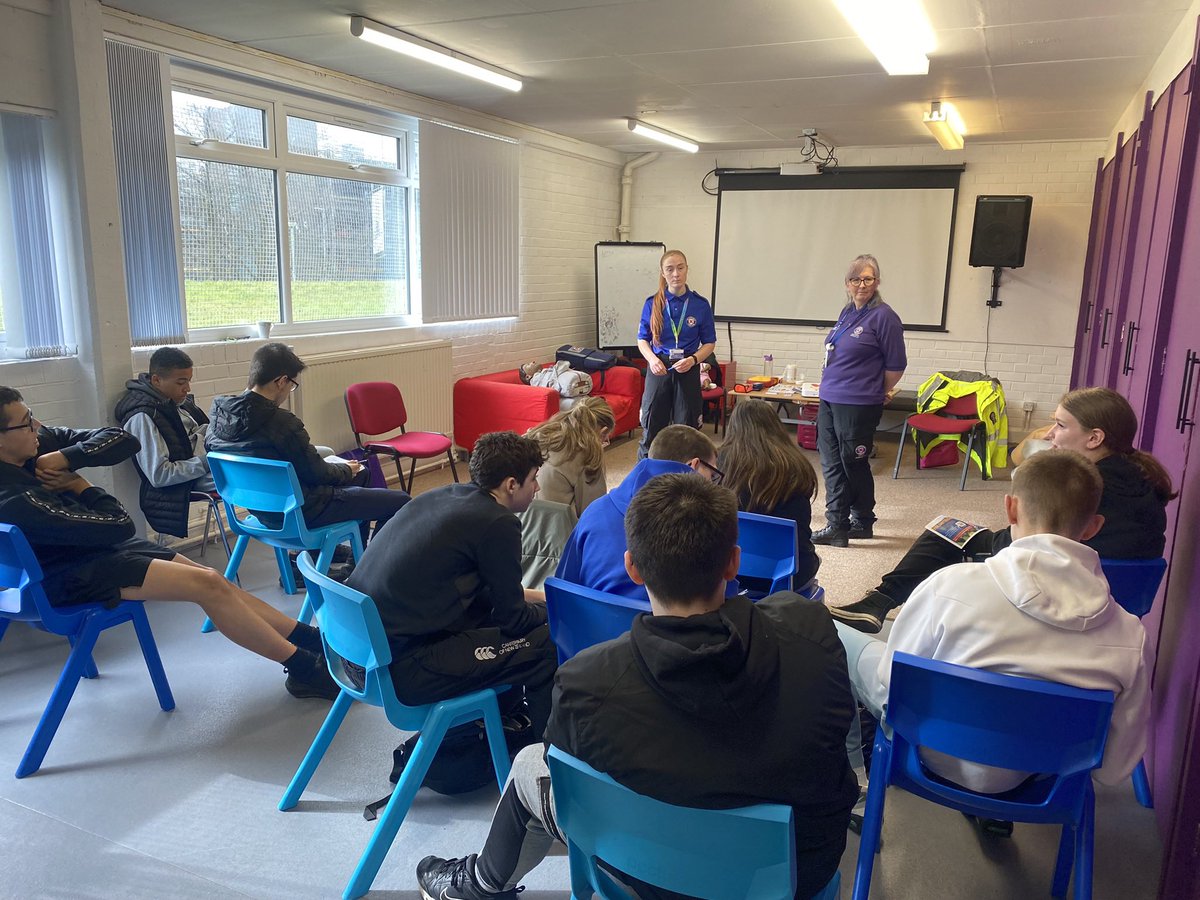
(768, 365)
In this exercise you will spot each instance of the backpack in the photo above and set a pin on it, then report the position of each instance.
(585, 359)
(463, 762)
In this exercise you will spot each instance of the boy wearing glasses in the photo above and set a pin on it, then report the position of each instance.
(254, 423)
(595, 551)
(84, 541)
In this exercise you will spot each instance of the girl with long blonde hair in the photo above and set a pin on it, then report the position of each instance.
(771, 476)
(675, 335)
(572, 443)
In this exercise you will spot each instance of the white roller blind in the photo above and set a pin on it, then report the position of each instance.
(470, 225)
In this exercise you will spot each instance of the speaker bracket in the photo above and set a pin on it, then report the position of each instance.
(995, 298)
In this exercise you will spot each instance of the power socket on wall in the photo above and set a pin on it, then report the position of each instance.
(1028, 406)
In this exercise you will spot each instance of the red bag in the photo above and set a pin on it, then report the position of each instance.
(944, 454)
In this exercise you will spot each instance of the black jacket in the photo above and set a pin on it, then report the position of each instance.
(748, 704)
(252, 425)
(165, 508)
(56, 525)
(449, 561)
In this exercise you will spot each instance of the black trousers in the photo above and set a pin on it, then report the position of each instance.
(444, 666)
(670, 399)
(930, 553)
(845, 434)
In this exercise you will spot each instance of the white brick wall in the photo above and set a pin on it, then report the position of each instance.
(1029, 342)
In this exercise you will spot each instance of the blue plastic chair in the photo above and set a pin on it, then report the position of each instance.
(768, 549)
(24, 600)
(721, 854)
(271, 486)
(997, 720)
(1134, 585)
(580, 616)
(352, 631)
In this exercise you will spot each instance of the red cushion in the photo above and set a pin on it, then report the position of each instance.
(417, 444)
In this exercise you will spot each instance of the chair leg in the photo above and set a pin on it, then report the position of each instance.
(3, 627)
(397, 808)
(60, 697)
(412, 472)
(158, 676)
(900, 452)
(285, 571)
(207, 522)
(400, 472)
(1141, 786)
(1084, 847)
(312, 759)
(89, 665)
(235, 561)
(496, 743)
(1063, 864)
(224, 537)
(453, 471)
(962, 482)
(872, 827)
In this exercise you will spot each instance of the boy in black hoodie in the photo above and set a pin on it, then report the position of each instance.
(707, 702)
(84, 541)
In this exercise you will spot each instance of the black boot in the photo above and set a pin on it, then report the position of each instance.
(832, 536)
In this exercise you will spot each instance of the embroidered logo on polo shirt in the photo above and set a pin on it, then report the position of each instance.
(857, 332)
(691, 321)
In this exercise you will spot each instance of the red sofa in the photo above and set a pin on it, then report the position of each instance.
(500, 402)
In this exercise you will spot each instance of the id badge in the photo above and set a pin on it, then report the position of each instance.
(676, 354)
(828, 353)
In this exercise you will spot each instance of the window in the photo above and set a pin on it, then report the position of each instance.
(288, 211)
(32, 323)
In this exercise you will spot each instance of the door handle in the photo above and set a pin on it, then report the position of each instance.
(1087, 320)
(1185, 391)
(1104, 329)
(1127, 365)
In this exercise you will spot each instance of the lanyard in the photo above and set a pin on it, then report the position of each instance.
(841, 327)
(678, 327)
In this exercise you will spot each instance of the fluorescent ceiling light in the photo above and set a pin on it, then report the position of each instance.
(665, 137)
(398, 41)
(896, 31)
(946, 124)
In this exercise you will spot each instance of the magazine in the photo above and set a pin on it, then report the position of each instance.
(953, 531)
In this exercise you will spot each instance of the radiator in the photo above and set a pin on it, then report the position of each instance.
(423, 371)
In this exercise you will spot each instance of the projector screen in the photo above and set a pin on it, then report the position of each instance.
(784, 243)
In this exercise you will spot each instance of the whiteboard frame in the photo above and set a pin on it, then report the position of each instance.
(627, 299)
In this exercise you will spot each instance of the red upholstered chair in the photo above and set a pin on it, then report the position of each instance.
(377, 407)
(714, 397)
(959, 416)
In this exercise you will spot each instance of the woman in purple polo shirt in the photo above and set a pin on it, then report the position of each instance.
(864, 361)
(675, 335)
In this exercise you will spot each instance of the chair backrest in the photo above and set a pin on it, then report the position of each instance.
(263, 485)
(375, 407)
(768, 548)
(964, 407)
(21, 594)
(580, 616)
(1134, 582)
(712, 853)
(352, 631)
(997, 720)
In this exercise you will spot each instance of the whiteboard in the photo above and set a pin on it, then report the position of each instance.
(626, 274)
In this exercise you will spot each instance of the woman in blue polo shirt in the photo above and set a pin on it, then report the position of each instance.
(864, 361)
(675, 335)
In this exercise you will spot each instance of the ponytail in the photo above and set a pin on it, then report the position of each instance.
(1155, 473)
(656, 310)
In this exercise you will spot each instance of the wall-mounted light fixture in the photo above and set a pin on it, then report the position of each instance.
(398, 41)
(665, 137)
(946, 124)
(896, 31)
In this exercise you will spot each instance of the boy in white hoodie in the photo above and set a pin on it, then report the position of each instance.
(1040, 608)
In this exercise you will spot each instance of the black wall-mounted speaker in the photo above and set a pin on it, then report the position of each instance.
(1000, 231)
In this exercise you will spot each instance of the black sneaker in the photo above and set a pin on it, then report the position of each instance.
(318, 684)
(454, 879)
(831, 536)
(866, 615)
(861, 529)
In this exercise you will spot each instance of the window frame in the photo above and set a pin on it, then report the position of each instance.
(277, 105)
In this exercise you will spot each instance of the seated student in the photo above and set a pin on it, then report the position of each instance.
(445, 573)
(765, 468)
(253, 423)
(158, 409)
(1100, 424)
(84, 540)
(1040, 607)
(595, 552)
(708, 702)
(572, 444)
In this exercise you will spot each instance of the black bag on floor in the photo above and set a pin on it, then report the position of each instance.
(463, 762)
(584, 359)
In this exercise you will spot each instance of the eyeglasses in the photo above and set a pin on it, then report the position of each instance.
(716, 476)
(295, 383)
(868, 281)
(31, 425)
